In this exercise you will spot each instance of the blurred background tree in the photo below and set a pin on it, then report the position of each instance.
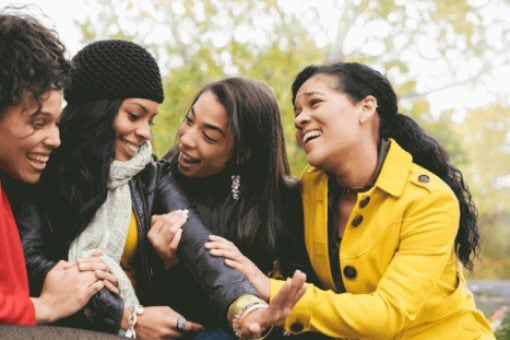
(424, 47)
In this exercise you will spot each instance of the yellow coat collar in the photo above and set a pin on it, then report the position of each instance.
(393, 176)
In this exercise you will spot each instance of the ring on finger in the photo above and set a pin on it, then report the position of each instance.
(180, 323)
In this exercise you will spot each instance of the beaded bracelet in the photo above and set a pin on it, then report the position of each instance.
(132, 320)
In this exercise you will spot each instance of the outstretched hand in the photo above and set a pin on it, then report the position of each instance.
(256, 322)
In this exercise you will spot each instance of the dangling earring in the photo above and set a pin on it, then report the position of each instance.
(236, 183)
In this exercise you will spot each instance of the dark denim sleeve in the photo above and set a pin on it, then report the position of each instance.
(222, 283)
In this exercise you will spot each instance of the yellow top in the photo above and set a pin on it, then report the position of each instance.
(126, 261)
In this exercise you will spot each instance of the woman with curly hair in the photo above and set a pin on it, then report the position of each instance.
(389, 222)
(33, 72)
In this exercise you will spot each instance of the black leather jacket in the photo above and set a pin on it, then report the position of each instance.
(208, 196)
(153, 191)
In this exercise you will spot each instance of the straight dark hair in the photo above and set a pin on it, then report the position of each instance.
(359, 81)
(254, 219)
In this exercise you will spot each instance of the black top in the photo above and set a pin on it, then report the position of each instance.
(153, 191)
(208, 196)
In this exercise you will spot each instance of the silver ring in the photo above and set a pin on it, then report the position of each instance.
(180, 323)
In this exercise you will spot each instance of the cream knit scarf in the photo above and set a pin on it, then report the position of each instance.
(107, 231)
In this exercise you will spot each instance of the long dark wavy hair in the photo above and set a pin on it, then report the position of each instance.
(32, 58)
(74, 184)
(358, 81)
(254, 118)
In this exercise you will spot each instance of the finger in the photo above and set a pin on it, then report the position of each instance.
(171, 230)
(111, 287)
(226, 253)
(177, 238)
(185, 213)
(293, 290)
(180, 220)
(254, 329)
(173, 224)
(102, 275)
(93, 289)
(93, 266)
(221, 245)
(157, 223)
(234, 264)
(95, 259)
(219, 239)
(190, 326)
(91, 259)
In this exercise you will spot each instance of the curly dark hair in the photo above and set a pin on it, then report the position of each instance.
(358, 81)
(32, 58)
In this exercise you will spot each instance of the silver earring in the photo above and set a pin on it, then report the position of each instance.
(236, 183)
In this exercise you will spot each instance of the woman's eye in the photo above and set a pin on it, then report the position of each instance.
(37, 123)
(133, 117)
(209, 138)
(314, 102)
(188, 120)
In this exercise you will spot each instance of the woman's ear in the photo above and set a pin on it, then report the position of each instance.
(368, 106)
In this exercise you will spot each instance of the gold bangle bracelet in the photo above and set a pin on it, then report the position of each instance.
(241, 303)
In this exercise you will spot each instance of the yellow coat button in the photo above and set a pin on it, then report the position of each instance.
(296, 327)
(364, 202)
(357, 221)
(350, 272)
(423, 179)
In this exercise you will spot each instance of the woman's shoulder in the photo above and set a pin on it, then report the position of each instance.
(425, 180)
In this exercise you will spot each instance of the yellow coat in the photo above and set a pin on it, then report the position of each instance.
(398, 262)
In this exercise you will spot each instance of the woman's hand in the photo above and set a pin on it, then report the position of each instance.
(165, 234)
(256, 322)
(65, 291)
(159, 322)
(219, 246)
(94, 263)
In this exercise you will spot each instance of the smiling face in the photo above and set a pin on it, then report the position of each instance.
(132, 126)
(327, 122)
(205, 140)
(28, 136)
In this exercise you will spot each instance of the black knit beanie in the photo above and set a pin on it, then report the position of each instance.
(114, 69)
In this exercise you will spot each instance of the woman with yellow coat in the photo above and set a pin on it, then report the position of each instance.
(388, 221)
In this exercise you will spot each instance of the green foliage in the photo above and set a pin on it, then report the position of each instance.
(503, 333)
(417, 44)
(486, 140)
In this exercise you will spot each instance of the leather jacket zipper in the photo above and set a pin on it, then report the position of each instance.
(142, 220)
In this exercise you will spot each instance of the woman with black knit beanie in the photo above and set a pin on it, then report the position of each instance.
(101, 190)
(388, 221)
